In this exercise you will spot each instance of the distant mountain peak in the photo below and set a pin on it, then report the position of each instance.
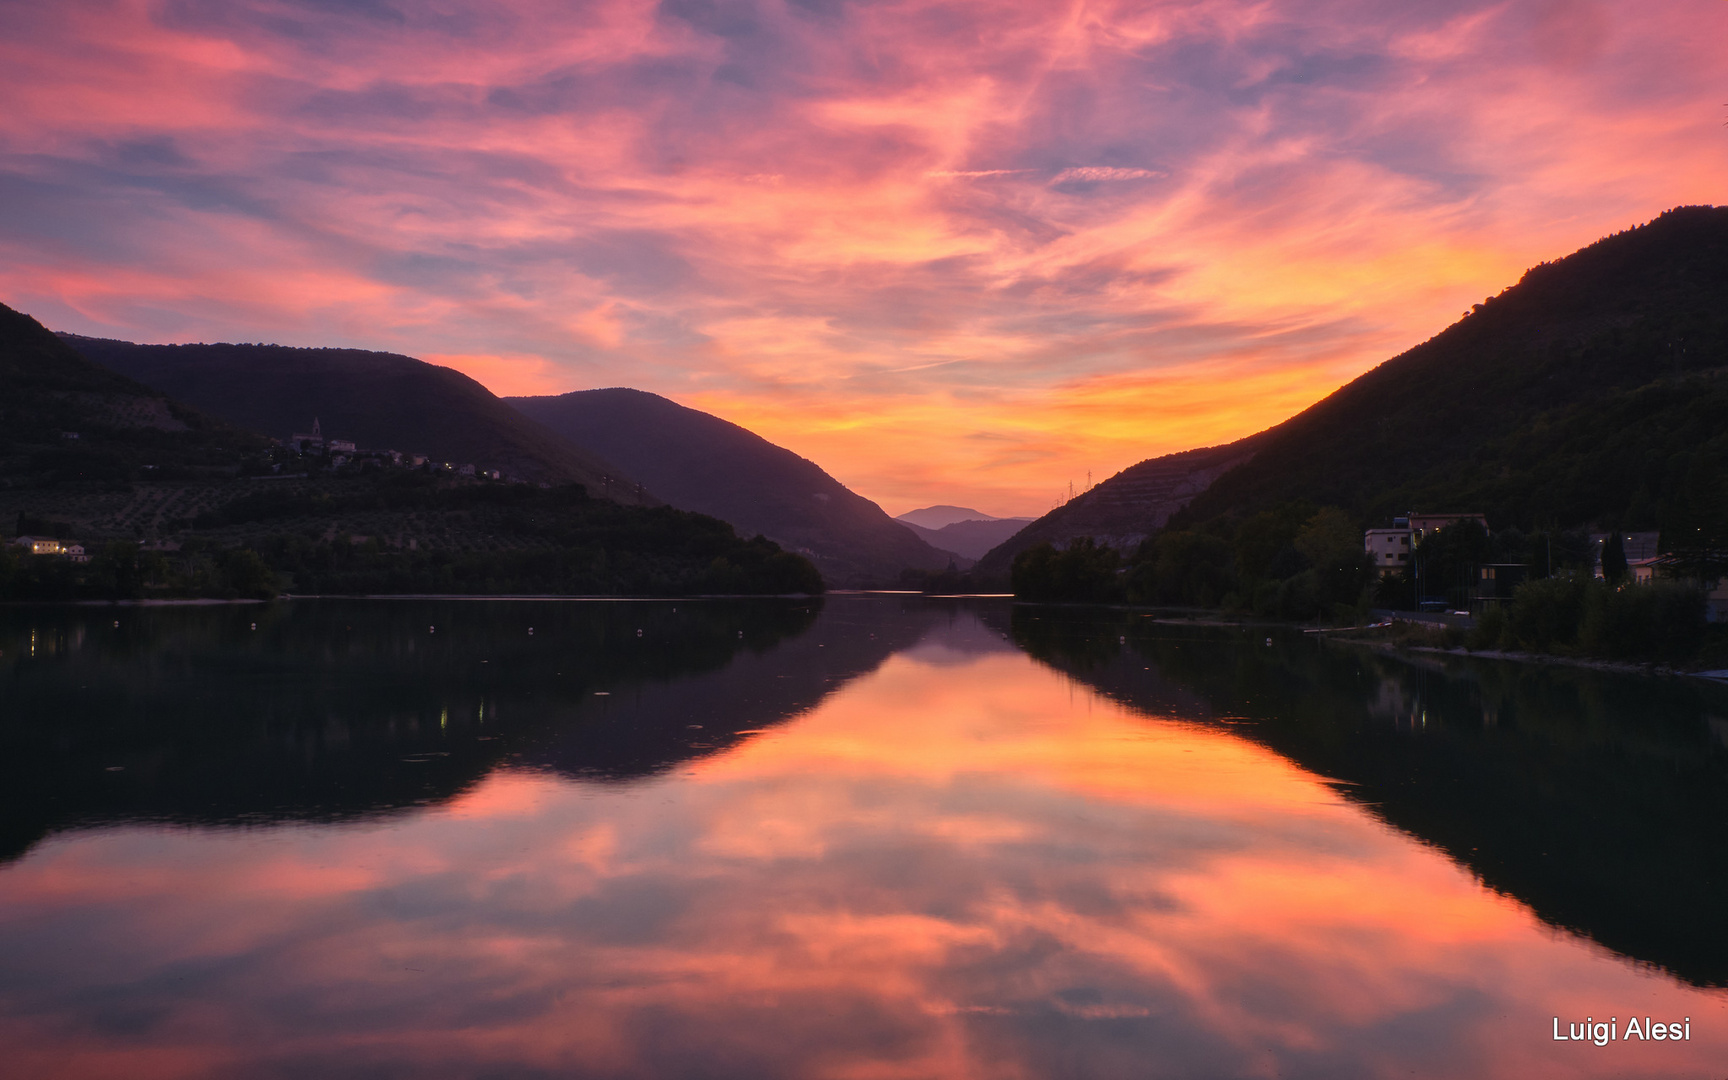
(943, 515)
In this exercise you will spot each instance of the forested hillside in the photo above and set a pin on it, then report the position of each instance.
(1592, 396)
(1594, 390)
(167, 502)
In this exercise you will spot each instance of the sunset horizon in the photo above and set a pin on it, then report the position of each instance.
(953, 253)
(837, 539)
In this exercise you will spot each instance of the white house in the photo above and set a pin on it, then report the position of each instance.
(1389, 548)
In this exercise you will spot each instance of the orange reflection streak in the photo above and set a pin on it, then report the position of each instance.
(1026, 731)
(931, 872)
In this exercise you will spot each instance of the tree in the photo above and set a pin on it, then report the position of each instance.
(1614, 557)
(1181, 567)
(1083, 572)
(1332, 544)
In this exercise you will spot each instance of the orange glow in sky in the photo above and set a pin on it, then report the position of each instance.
(953, 252)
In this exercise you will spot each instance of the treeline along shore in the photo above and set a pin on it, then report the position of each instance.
(1302, 564)
(496, 539)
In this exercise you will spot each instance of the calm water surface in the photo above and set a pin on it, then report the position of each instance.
(866, 838)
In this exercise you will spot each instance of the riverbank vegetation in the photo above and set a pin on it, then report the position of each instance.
(493, 539)
(1306, 564)
(1295, 561)
(1577, 615)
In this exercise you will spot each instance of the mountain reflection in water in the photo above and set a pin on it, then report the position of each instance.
(896, 845)
(1597, 798)
(336, 709)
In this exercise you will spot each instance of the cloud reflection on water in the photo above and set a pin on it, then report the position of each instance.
(974, 869)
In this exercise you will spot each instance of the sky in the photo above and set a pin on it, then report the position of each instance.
(954, 252)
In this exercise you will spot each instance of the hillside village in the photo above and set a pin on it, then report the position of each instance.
(343, 453)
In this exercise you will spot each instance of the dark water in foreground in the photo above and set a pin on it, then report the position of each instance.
(871, 837)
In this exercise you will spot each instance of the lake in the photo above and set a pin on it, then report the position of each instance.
(860, 837)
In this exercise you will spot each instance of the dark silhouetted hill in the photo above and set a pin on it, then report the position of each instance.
(700, 462)
(66, 421)
(378, 400)
(1593, 391)
(168, 502)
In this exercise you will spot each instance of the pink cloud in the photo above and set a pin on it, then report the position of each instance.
(863, 206)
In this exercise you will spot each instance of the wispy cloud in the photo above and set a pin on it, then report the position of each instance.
(920, 217)
(968, 174)
(1104, 172)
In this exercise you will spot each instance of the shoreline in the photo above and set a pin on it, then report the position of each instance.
(1623, 667)
(207, 601)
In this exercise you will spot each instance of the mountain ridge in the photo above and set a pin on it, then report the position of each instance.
(167, 502)
(64, 419)
(1520, 409)
(943, 515)
(702, 462)
(377, 399)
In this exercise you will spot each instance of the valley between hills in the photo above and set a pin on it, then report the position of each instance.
(1589, 398)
